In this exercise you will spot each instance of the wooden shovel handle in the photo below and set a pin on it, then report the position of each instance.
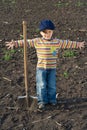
(25, 57)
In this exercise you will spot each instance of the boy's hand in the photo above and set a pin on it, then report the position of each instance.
(10, 45)
(81, 44)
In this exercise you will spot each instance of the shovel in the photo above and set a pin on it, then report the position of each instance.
(27, 96)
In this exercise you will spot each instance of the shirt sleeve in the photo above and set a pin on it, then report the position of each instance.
(30, 43)
(67, 44)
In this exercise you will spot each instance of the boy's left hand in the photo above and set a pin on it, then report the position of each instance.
(81, 44)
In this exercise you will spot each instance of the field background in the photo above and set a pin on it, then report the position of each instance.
(70, 18)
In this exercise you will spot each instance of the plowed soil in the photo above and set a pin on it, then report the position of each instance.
(70, 18)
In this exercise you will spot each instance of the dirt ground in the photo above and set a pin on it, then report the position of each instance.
(70, 18)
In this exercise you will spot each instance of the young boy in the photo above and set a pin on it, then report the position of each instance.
(47, 49)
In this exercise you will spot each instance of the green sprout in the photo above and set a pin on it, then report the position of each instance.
(12, 2)
(65, 74)
(79, 4)
(7, 57)
(61, 4)
(65, 4)
(8, 54)
(69, 53)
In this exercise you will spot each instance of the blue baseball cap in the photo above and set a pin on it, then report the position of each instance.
(46, 24)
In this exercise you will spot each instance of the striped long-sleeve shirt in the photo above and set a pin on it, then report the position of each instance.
(47, 51)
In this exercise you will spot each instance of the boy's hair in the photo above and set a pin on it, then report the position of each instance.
(46, 24)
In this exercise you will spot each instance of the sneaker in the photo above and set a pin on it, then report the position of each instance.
(41, 106)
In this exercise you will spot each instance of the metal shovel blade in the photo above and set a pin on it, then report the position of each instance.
(21, 97)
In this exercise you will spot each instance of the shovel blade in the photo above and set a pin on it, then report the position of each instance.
(20, 97)
(32, 102)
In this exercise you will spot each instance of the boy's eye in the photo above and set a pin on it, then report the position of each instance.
(48, 32)
(45, 31)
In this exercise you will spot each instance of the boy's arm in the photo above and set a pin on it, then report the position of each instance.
(70, 44)
(20, 43)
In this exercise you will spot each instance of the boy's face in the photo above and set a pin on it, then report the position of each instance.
(47, 34)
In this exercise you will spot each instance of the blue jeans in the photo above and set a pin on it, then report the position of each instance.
(46, 85)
